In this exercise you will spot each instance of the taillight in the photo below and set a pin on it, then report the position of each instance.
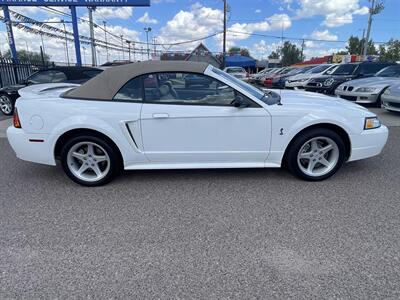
(17, 123)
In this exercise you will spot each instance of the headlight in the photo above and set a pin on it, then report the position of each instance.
(365, 90)
(387, 91)
(372, 123)
(329, 82)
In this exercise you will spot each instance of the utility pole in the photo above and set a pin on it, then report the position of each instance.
(362, 43)
(147, 30)
(43, 49)
(122, 45)
(374, 10)
(105, 38)
(134, 52)
(94, 60)
(224, 36)
(129, 49)
(154, 45)
(66, 42)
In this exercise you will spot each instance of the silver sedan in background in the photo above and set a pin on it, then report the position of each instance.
(391, 98)
(370, 89)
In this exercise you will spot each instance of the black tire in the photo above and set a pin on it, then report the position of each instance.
(6, 98)
(115, 163)
(295, 146)
(378, 102)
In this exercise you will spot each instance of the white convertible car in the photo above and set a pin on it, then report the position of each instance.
(143, 116)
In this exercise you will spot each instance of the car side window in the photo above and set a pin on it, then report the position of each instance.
(131, 91)
(188, 89)
(58, 76)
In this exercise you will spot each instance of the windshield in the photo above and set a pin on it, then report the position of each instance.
(235, 70)
(318, 69)
(247, 87)
(392, 71)
(346, 69)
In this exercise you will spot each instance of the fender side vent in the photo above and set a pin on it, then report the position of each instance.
(131, 135)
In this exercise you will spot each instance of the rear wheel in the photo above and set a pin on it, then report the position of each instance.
(316, 154)
(6, 105)
(90, 160)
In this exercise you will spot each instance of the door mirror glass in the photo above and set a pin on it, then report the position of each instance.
(240, 102)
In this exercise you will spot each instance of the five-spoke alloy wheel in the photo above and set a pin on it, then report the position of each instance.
(6, 105)
(89, 160)
(316, 154)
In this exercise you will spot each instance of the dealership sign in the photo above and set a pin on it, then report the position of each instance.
(75, 2)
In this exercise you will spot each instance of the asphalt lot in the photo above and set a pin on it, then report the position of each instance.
(208, 234)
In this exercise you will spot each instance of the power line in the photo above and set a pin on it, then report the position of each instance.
(292, 38)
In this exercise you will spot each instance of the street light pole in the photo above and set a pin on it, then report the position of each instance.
(66, 41)
(122, 45)
(224, 37)
(93, 45)
(129, 49)
(105, 38)
(147, 30)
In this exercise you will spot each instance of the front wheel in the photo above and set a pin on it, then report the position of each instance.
(89, 160)
(6, 105)
(316, 154)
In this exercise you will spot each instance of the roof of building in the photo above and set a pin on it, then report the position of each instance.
(240, 61)
(316, 61)
(106, 85)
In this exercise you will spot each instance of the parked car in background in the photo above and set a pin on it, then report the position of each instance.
(116, 121)
(194, 79)
(253, 77)
(328, 82)
(278, 82)
(299, 81)
(238, 72)
(260, 79)
(78, 75)
(369, 90)
(391, 98)
(266, 81)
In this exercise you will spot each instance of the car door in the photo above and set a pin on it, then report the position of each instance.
(198, 123)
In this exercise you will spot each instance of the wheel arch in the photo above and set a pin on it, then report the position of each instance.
(335, 128)
(62, 139)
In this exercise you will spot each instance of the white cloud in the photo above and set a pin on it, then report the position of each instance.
(262, 49)
(336, 12)
(324, 35)
(257, 11)
(146, 19)
(123, 13)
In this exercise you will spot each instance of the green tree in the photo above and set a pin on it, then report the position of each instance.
(273, 55)
(239, 50)
(355, 46)
(390, 51)
(24, 55)
(291, 54)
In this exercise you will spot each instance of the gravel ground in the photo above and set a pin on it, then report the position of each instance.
(204, 234)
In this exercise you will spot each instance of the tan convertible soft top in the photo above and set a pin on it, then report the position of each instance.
(105, 85)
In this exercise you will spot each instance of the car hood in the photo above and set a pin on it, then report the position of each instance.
(12, 89)
(375, 82)
(317, 101)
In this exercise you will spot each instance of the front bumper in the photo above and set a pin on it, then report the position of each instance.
(357, 96)
(31, 147)
(320, 89)
(391, 103)
(369, 143)
(295, 84)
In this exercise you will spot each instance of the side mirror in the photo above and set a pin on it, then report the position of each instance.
(239, 102)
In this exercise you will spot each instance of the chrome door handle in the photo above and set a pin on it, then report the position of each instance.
(161, 116)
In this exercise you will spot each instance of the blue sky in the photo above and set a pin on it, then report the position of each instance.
(331, 21)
